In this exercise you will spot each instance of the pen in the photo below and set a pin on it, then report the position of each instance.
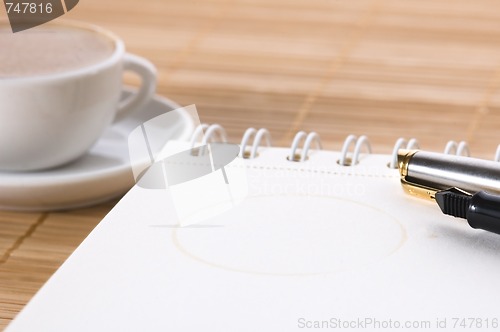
(463, 187)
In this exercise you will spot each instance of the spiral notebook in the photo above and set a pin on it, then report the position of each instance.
(318, 240)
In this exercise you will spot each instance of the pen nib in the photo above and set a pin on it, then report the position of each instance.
(454, 202)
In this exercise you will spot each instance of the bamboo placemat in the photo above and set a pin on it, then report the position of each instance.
(428, 69)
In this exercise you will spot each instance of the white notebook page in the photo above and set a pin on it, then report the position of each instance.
(313, 242)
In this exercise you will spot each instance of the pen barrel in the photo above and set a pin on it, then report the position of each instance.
(441, 171)
(484, 212)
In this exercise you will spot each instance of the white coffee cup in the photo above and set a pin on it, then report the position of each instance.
(50, 119)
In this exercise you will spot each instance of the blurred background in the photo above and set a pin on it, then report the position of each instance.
(384, 68)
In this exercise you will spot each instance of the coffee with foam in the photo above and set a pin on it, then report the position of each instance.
(51, 49)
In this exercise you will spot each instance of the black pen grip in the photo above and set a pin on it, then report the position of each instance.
(484, 212)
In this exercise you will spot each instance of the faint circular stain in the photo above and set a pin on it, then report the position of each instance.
(294, 235)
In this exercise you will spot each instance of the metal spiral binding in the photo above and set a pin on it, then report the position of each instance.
(309, 139)
(497, 154)
(206, 133)
(209, 135)
(400, 144)
(210, 132)
(360, 142)
(259, 135)
(198, 132)
(459, 149)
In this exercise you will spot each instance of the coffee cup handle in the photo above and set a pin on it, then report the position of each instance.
(147, 71)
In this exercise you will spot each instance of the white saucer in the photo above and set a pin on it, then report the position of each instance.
(103, 173)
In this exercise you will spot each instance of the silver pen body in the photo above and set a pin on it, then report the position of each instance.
(442, 172)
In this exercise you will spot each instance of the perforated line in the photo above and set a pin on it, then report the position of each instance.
(316, 171)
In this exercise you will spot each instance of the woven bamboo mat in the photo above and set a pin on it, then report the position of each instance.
(428, 69)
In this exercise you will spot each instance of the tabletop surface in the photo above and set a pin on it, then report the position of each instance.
(386, 69)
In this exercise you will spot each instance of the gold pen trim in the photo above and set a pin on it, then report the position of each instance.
(415, 189)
